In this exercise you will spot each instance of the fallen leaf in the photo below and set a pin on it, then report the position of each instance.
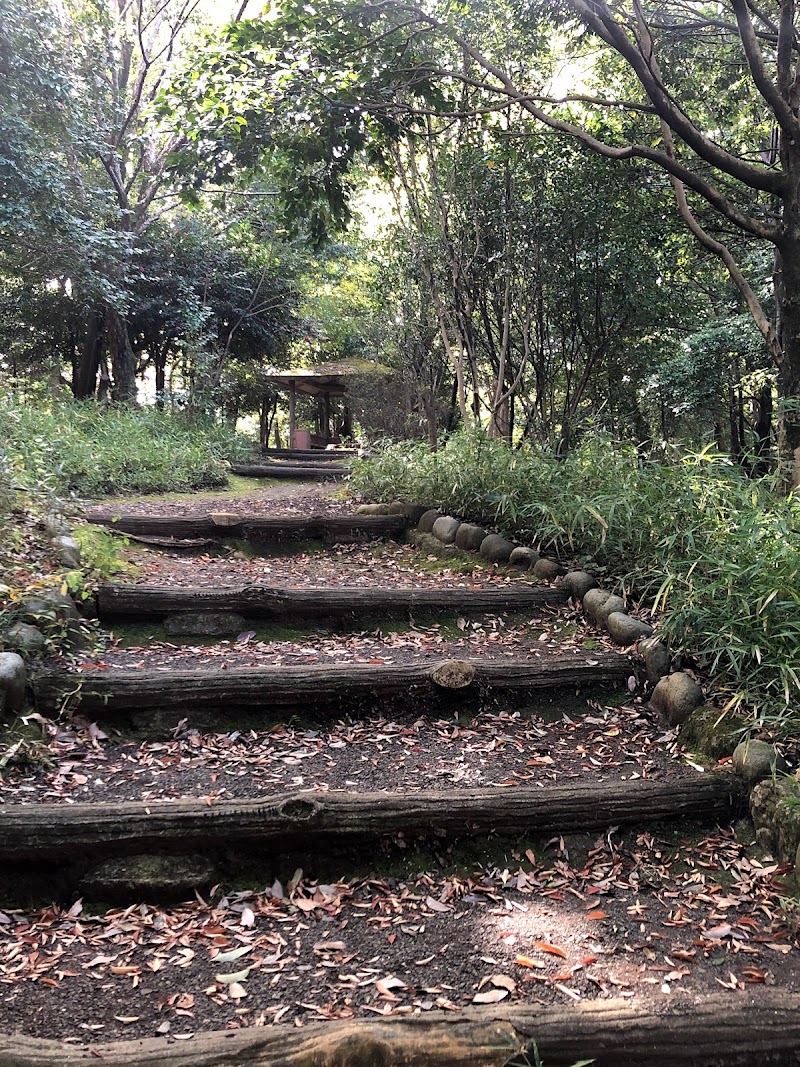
(436, 905)
(554, 950)
(491, 996)
(232, 954)
(227, 979)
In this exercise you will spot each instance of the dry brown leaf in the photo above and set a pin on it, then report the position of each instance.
(491, 996)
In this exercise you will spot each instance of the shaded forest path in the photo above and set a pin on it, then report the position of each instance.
(407, 810)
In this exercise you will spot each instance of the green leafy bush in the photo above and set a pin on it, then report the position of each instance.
(716, 553)
(58, 446)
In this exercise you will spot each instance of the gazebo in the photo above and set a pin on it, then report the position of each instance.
(327, 382)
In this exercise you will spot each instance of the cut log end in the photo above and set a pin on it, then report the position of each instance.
(453, 674)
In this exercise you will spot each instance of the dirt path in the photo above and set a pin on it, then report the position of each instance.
(654, 914)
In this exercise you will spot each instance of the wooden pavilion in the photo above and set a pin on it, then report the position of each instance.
(328, 382)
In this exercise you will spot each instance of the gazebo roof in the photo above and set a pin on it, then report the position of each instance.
(330, 378)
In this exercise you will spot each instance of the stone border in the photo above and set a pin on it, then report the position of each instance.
(775, 798)
(24, 637)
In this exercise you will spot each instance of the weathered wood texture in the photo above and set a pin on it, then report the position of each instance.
(159, 601)
(315, 472)
(310, 455)
(332, 529)
(261, 687)
(302, 820)
(754, 1029)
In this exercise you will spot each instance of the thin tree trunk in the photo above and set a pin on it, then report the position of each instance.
(84, 382)
(123, 360)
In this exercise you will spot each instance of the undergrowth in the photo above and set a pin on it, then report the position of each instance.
(715, 553)
(54, 449)
(60, 446)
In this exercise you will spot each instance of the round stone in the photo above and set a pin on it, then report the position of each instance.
(13, 678)
(48, 605)
(69, 551)
(524, 557)
(593, 600)
(496, 549)
(676, 697)
(445, 529)
(656, 658)
(26, 639)
(547, 569)
(625, 630)
(462, 535)
(757, 760)
(578, 584)
(427, 519)
(474, 539)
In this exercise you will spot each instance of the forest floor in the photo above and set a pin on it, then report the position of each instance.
(658, 913)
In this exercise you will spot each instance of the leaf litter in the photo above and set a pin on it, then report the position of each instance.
(517, 932)
(638, 915)
(501, 749)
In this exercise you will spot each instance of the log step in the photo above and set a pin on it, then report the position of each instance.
(320, 472)
(124, 689)
(119, 601)
(310, 455)
(331, 529)
(332, 820)
(760, 1027)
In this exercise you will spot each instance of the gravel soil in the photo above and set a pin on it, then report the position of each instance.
(503, 749)
(646, 916)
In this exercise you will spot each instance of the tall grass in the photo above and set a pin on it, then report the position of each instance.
(63, 446)
(716, 554)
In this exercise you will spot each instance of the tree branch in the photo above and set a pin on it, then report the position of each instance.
(755, 61)
(599, 19)
(755, 227)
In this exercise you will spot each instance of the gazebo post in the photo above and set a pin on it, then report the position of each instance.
(292, 418)
(327, 402)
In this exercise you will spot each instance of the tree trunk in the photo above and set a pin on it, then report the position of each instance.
(788, 319)
(762, 428)
(161, 375)
(789, 368)
(123, 359)
(135, 689)
(160, 601)
(84, 382)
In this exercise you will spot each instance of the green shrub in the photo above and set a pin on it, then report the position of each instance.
(59, 446)
(717, 553)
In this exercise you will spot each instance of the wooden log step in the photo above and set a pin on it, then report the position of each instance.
(320, 472)
(116, 601)
(331, 529)
(126, 689)
(312, 455)
(334, 820)
(754, 1028)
